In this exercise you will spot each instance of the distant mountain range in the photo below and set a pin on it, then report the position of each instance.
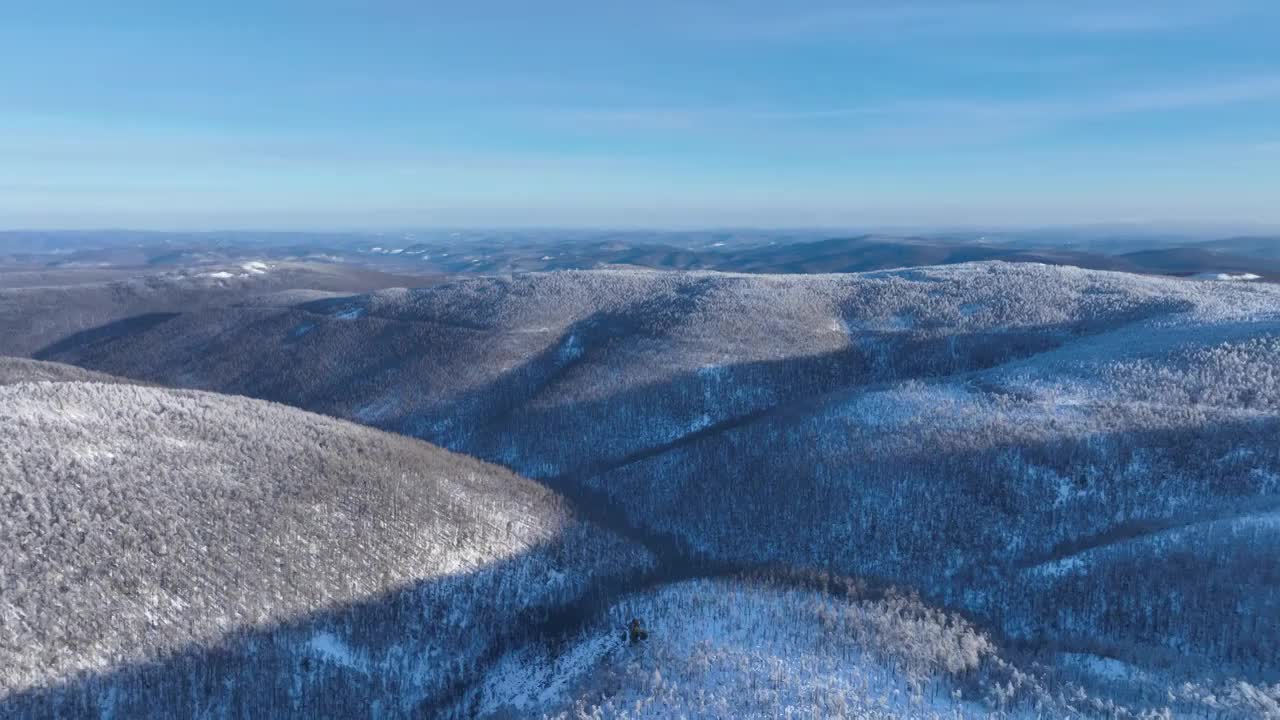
(507, 252)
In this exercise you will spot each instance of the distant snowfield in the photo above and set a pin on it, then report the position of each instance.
(246, 270)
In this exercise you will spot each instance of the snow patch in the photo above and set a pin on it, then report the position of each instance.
(1102, 667)
(570, 348)
(524, 681)
(376, 411)
(1245, 277)
(900, 322)
(332, 648)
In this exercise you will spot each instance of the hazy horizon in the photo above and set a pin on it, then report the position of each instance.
(1189, 229)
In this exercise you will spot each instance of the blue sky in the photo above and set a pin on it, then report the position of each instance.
(371, 114)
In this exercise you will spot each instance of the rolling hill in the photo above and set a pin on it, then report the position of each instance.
(1262, 246)
(172, 553)
(767, 646)
(1203, 261)
(808, 255)
(76, 258)
(1083, 462)
(21, 370)
(37, 308)
(754, 649)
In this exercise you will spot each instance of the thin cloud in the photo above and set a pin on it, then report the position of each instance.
(947, 119)
(955, 17)
(1138, 100)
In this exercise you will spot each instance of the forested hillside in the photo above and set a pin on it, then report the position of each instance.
(1084, 463)
(749, 648)
(15, 370)
(38, 308)
(767, 646)
(178, 554)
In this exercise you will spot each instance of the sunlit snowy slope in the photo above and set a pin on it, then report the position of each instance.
(168, 551)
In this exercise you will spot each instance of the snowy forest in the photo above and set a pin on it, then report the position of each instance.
(985, 489)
